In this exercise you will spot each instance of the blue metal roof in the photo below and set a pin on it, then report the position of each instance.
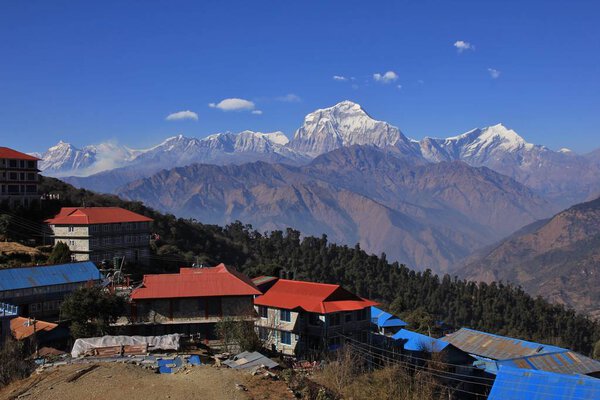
(563, 362)
(521, 384)
(384, 319)
(418, 342)
(21, 278)
(496, 347)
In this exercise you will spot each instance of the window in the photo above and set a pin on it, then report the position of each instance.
(263, 333)
(285, 315)
(348, 317)
(286, 337)
(71, 229)
(313, 319)
(263, 311)
(361, 315)
(213, 305)
(334, 319)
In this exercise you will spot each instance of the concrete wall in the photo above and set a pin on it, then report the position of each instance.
(306, 330)
(105, 241)
(196, 309)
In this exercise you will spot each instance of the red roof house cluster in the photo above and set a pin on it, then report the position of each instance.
(196, 282)
(319, 298)
(95, 215)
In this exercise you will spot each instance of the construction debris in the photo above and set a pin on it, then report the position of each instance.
(246, 360)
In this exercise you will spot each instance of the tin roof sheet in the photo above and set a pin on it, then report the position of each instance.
(384, 319)
(519, 384)
(322, 298)
(250, 360)
(564, 362)
(6, 152)
(496, 347)
(196, 282)
(48, 275)
(95, 215)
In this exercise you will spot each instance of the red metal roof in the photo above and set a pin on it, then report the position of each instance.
(95, 215)
(320, 298)
(22, 328)
(196, 282)
(6, 152)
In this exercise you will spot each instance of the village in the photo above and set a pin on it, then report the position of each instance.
(172, 323)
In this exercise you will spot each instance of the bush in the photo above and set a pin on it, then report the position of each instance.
(14, 362)
(61, 254)
(91, 310)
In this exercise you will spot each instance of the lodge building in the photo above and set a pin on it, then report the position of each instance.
(19, 179)
(103, 233)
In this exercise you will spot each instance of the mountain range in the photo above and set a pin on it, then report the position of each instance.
(430, 203)
(425, 214)
(558, 258)
(563, 177)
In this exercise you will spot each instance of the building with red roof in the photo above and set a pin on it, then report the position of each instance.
(192, 301)
(103, 233)
(19, 178)
(297, 317)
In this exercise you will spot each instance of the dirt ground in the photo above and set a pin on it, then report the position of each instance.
(13, 247)
(132, 382)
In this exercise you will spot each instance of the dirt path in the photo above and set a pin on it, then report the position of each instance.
(131, 382)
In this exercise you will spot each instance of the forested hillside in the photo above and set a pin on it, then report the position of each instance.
(421, 297)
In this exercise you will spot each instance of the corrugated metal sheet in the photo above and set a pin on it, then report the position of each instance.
(196, 282)
(565, 362)
(250, 360)
(496, 347)
(21, 278)
(418, 342)
(320, 298)
(520, 384)
(384, 319)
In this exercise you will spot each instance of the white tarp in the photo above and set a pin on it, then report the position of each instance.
(165, 342)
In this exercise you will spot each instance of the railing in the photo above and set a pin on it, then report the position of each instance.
(8, 310)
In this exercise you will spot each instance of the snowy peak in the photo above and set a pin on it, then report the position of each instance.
(476, 145)
(345, 124)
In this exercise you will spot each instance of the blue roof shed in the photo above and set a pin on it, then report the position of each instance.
(48, 275)
(520, 384)
(384, 319)
(419, 342)
(496, 347)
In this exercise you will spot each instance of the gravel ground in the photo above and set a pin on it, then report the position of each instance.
(132, 382)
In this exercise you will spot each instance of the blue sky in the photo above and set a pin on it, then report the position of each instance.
(87, 71)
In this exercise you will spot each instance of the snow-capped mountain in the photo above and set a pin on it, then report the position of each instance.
(477, 146)
(65, 159)
(561, 175)
(346, 124)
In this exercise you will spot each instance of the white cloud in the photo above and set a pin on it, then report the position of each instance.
(461, 46)
(233, 104)
(257, 112)
(388, 77)
(181, 115)
(339, 78)
(399, 86)
(289, 98)
(494, 73)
